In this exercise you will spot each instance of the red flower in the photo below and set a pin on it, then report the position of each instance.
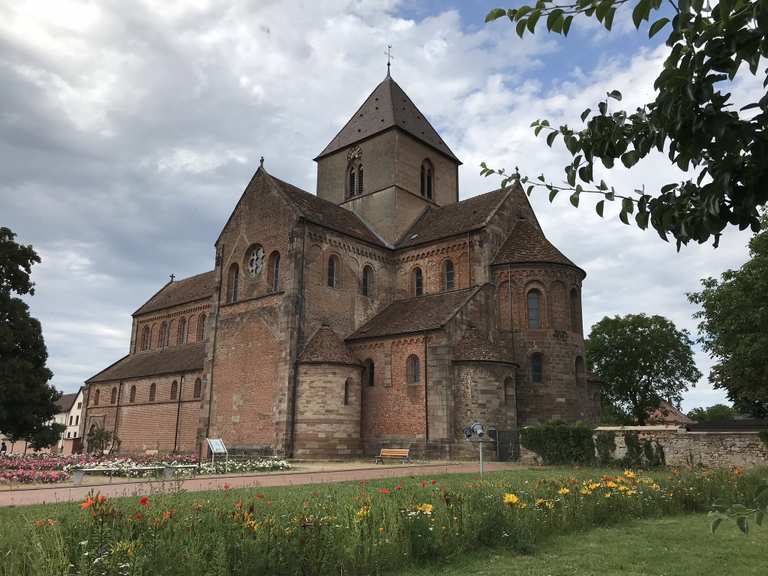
(144, 501)
(398, 487)
(423, 484)
(138, 517)
(434, 482)
(226, 486)
(383, 491)
(259, 496)
(101, 499)
(87, 504)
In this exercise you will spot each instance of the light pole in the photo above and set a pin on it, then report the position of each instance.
(476, 430)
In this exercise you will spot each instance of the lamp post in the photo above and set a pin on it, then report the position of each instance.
(476, 430)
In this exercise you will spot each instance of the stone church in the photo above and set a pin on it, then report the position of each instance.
(380, 312)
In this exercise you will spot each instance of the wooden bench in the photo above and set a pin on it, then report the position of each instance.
(402, 454)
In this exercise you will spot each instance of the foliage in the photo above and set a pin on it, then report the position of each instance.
(642, 452)
(46, 436)
(733, 328)
(100, 440)
(716, 413)
(352, 528)
(27, 401)
(559, 443)
(691, 119)
(740, 513)
(641, 360)
(605, 444)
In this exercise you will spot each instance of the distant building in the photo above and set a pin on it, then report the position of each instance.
(668, 414)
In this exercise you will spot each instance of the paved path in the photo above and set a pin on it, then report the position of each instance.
(24, 497)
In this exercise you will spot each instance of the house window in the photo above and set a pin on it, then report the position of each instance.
(152, 392)
(347, 386)
(68, 434)
(201, 327)
(255, 261)
(96, 396)
(368, 372)
(534, 309)
(79, 405)
(132, 395)
(575, 324)
(174, 390)
(537, 368)
(77, 420)
(232, 280)
(580, 371)
(427, 178)
(333, 271)
(145, 338)
(367, 285)
(198, 390)
(417, 281)
(70, 420)
(113, 396)
(448, 275)
(412, 369)
(274, 271)
(181, 337)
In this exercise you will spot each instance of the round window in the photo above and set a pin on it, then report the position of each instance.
(255, 261)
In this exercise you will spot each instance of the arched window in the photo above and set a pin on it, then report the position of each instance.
(96, 397)
(201, 327)
(174, 390)
(352, 182)
(163, 335)
(534, 309)
(232, 280)
(537, 368)
(427, 179)
(360, 180)
(412, 369)
(274, 271)
(132, 395)
(152, 392)
(448, 275)
(254, 261)
(369, 375)
(145, 335)
(367, 284)
(113, 396)
(333, 271)
(580, 371)
(347, 390)
(575, 323)
(509, 389)
(198, 390)
(417, 282)
(181, 336)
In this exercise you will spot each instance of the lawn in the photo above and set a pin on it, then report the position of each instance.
(679, 545)
(373, 527)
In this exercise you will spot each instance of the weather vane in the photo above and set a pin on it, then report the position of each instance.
(389, 56)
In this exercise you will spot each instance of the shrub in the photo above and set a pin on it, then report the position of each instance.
(559, 443)
(605, 443)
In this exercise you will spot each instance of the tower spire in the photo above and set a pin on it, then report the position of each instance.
(389, 57)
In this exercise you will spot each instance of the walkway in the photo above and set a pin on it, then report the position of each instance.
(69, 493)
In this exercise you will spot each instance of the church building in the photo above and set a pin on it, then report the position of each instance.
(380, 312)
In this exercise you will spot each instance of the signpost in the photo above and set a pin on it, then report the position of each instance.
(216, 446)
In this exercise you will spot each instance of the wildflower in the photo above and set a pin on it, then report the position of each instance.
(424, 508)
(226, 486)
(398, 487)
(608, 494)
(167, 515)
(87, 504)
(381, 530)
(611, 484)
(144, 501)
(593, 486)
(363, 512)
(510, 499)
(629, 474)
(138, 517)
(101, 499)
(585, 491)
(383, 491)
(434, 482)
(564, 491)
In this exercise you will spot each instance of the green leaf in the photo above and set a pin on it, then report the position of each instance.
(642, 220)
(520, 28)
(603, 107)
(599, 207)
(552, 193)
(608, 22)
(533, 19)
(623, 217)
(551, 138)
(629, 158)
(656, 26)
(567, 25)
(627, 205)
(585, 114)
(714, 524)
(575, 199)
(743, 524)
(495, 14)
(615, 94)
(641, 11)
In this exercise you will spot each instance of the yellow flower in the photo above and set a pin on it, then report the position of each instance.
(623, 488)
(424, 508)
(611, 484)
(593, 485)
(585, 491)
(564, 491)
(608, 494)
(629, 474)
(363, 512)
(511, 499)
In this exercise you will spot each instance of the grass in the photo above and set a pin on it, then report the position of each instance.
(679, 545)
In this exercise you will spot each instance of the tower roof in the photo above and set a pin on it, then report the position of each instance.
(527, 244)
(325, 347)
(388, 106)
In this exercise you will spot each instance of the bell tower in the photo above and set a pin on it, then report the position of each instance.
(388, 164)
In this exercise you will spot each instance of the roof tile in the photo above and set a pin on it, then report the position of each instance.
(527, 244)
(185, 358)
(198, 287)
(326, 347)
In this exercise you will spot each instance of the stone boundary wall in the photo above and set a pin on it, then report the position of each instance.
(708, 449)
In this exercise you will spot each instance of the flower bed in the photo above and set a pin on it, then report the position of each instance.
(365, 528)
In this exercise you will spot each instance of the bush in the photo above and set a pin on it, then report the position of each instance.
(559, 443)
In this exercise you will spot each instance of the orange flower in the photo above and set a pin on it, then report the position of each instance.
(138, 517)
(101, 499)
(226, 486)
(434, 482)
(87, 504)
(167, 514)
(144, 501)
(383, 490)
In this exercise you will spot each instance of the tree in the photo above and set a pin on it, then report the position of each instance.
(733, 328)
(716, 413)
(101, 440)
(641, 361)
(27, 401)
(722, 151)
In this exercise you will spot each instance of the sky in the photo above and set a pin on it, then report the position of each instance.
(128, 130)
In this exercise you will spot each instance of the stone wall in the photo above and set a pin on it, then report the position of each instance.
(708, 449)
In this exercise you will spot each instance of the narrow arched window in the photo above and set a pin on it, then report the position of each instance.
(113, 396)
(369, 375)
(96, 397)
(233, 278)
(274, 271)
(534, 309)
(333, 271)
(449, 275)
(427, 179)
(352, 181)
(537, 368)
(412, 369)
(132, 395)
(181, 336)
(417, 282)
(580, 370)
(174, 390)
(161, 337)
(360, 180)
(347, 390)
(367, 284)
(145, 338)
(152, 392)
(575, 323)
(201, 327)
(198, 389)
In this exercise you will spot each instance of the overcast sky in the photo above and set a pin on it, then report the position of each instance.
(128, 130)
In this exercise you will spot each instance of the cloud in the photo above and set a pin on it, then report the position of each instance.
(129, 130)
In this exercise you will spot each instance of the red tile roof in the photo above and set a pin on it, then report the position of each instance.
(186, 358)
(527, 244)
(325, 347)
(198, 287)
(64, 404)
